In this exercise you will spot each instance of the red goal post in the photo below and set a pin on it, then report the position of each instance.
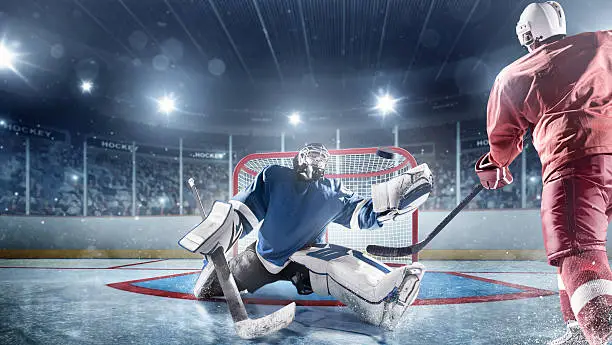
(358, 169)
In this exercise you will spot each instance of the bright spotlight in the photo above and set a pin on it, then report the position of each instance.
(7, 57)
(162, 200)
(86, 86)
(2, 123)
(294, 118)
(75, 178)
(386, 104)
(166, 105)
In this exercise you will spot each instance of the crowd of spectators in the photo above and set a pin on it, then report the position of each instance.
(56, 178)
(56, 181)
(213, 180)
(109, 183)
(444, 196)
(157, 184)
(507, 197)
(443, 168)
(12, 175)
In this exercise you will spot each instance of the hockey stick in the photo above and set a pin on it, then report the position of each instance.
(394, 252)
(245, 328)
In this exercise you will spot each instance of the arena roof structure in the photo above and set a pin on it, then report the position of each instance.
(250, 63)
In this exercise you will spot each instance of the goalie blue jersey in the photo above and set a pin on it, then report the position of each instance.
(295, 212)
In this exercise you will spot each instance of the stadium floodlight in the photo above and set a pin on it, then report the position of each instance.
(7, 57)
(2, 123)
(166, 104)
(86, 86)
(386, 104)
(294, 118)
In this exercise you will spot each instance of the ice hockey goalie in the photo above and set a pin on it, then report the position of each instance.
(291, 209)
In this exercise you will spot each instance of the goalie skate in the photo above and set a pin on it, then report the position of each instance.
(388, 312)
(402, 297)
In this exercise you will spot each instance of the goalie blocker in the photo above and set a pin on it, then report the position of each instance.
(223, 227)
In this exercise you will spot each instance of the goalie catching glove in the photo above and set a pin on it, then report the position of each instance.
(491, 176)
(402, 194)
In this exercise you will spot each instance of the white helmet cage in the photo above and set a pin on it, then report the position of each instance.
(311, 160)
(539, 22)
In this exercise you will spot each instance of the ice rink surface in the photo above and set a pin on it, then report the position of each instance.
(123, 301)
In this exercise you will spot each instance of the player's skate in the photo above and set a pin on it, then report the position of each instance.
(379, 294)
(573, 336)
(402, 194)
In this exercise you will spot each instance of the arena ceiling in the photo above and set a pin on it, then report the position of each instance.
(249, 63)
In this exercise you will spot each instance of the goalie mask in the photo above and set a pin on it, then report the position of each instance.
(310, 162)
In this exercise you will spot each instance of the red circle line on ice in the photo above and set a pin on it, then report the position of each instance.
(525, 292)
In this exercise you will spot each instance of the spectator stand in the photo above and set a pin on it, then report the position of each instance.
(42, 173)
(147, 179)
(12, 173)
(209, 168)
(34, 163)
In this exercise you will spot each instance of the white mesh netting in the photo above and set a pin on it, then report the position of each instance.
(358, 169)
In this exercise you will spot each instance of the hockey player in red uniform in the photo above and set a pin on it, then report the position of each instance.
(562, 91)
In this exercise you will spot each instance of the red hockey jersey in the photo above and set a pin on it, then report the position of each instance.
(562, 91)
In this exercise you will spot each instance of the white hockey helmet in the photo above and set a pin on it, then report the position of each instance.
(539, 22)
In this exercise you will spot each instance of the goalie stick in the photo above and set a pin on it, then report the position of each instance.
(394, 252)
(245, 328)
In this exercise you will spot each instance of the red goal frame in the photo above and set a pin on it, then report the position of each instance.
(409, 159)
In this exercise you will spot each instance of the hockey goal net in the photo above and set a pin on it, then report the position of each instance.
(358, 169)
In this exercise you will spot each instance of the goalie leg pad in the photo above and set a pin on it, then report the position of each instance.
(379, 294)
(402, 194)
